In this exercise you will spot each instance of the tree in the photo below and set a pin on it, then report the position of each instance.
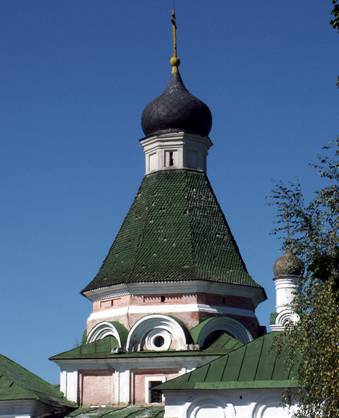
(310, 230)
(335, 13)
(335, 22)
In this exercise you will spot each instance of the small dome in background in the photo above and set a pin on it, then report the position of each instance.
(176, 109)
(287, 265)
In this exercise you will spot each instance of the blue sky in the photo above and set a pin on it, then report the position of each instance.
(74, 79)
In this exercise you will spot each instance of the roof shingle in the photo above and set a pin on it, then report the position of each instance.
(174, 231)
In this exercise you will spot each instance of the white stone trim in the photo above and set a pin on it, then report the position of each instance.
(229, 325)
(141, 328)
(63, 382)
(167, 308)
(122, 390)
(190, 151)
(284, 318)
(102, 330)
(176, 287)
(72, 386)
(157, 378)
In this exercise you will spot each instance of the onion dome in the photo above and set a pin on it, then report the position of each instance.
(176, 109)
(288, 265)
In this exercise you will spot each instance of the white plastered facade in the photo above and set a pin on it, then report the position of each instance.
(248, 403)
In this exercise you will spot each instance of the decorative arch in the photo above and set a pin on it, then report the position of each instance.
(212, 405)
(270, 405)
(285, 317)
(156, 332)
(224, 323)
(104, 329)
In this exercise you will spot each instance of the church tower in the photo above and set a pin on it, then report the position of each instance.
(173, 291)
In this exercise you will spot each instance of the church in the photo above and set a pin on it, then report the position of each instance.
(173, 330)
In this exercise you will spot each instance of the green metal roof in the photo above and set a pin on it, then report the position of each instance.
(103, 349)
(18, 383)
(224, 344)
(175, 230)
(119, 412)
(254, 365)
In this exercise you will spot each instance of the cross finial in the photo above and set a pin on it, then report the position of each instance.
(174, 61)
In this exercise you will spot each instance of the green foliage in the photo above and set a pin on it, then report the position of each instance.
(335, 13)
(273, 317)
(335, 22)
(310, 229)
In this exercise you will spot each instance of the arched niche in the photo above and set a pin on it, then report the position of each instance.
(156, 333)
(104, 329)
(212, 326)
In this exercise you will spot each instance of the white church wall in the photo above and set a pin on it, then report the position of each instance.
(249, 403)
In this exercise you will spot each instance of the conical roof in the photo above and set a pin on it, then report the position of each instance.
(174, 231)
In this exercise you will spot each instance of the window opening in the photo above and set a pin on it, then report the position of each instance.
(155, 396)
(159, 341)
(171, 159)
(162, 299)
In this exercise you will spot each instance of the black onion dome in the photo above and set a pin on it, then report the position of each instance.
(288, 264)
(176, 109)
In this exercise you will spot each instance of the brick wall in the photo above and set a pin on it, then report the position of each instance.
(96, 387)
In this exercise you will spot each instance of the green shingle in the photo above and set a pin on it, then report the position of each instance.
(18, 383)
(174, 230)
(255, 365)
(119, 412)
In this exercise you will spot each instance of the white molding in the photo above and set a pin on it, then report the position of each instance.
(167, 309)
(102, 330)
(176, 287)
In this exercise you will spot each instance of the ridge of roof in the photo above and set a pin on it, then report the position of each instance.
(256, 364)
(175, 230)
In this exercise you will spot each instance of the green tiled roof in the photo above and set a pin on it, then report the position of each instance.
(119, 412)
(175, 230)
(254, 365)
(96, 348)
(18, 383)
